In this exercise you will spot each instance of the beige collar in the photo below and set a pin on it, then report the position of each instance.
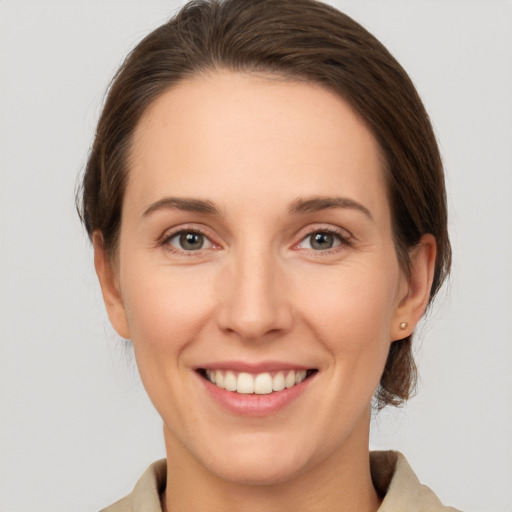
(392, 477)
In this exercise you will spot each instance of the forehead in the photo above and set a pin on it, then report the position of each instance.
(259, 136)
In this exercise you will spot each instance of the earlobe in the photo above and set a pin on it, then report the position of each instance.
(110, 287)
(412, 305)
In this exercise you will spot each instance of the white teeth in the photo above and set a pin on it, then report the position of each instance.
(230, 382)
(289, 380)
(219, 379)
(300, 376)
(263, 384)
(245, 383)
(259, 384)
(278, 382)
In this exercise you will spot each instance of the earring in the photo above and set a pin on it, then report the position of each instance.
(403, 326)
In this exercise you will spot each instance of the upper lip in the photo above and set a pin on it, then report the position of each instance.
(252, 367)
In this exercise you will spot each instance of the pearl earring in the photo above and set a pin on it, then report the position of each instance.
(403, 326)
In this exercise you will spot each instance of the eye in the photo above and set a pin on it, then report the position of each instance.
(322, 240)
(189, 241)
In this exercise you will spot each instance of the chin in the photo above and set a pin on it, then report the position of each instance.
(247, 471)
(259, 461)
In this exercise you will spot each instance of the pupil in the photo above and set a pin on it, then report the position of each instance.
(191, 241)
(322, 241)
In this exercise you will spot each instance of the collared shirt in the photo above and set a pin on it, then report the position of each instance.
(392, 477)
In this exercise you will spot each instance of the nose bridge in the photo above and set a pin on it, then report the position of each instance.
(254, 303)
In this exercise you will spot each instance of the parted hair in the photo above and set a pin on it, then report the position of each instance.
(299, 40)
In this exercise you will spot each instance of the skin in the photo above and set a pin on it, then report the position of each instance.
(252, 145)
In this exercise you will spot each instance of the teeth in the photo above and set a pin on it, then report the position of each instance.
(289, 380)
(230, 382)
(259, 384)
(263, 384)
(245, 383)
(278, 382)
(300, 376)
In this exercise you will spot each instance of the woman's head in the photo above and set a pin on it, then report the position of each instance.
(295, 41)
(256, 252)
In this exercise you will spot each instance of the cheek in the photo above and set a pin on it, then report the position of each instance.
(165, 309)
(350, 316)
(166, 312)
(353, 307)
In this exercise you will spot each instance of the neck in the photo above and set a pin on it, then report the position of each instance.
(339, 482)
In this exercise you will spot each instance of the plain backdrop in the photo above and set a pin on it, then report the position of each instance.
(76, 428)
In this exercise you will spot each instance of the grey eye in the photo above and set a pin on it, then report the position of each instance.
(321, 241)
(189, 241)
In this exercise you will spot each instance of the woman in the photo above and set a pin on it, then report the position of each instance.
(266, 202)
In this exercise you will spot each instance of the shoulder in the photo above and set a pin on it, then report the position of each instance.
(146, 493)
(402, 491)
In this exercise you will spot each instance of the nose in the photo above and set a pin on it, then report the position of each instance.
(254, 303)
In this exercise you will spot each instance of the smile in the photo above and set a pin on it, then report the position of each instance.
(259, 384)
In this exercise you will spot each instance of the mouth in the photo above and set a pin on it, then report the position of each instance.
(263, 383)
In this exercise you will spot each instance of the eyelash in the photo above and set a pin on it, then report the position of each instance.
(344, 241)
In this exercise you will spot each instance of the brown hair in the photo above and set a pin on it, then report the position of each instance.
(298, 39)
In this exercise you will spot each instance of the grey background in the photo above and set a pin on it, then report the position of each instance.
(76, 429)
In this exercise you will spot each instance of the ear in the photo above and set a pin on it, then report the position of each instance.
(414, 299)
(110, 287)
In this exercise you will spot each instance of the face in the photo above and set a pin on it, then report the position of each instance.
(256, 251)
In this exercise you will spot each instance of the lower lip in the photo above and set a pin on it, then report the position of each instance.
(253, 404)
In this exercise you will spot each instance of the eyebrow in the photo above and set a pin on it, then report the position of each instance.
(299, 205)
(315, 204)
(182, 203)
